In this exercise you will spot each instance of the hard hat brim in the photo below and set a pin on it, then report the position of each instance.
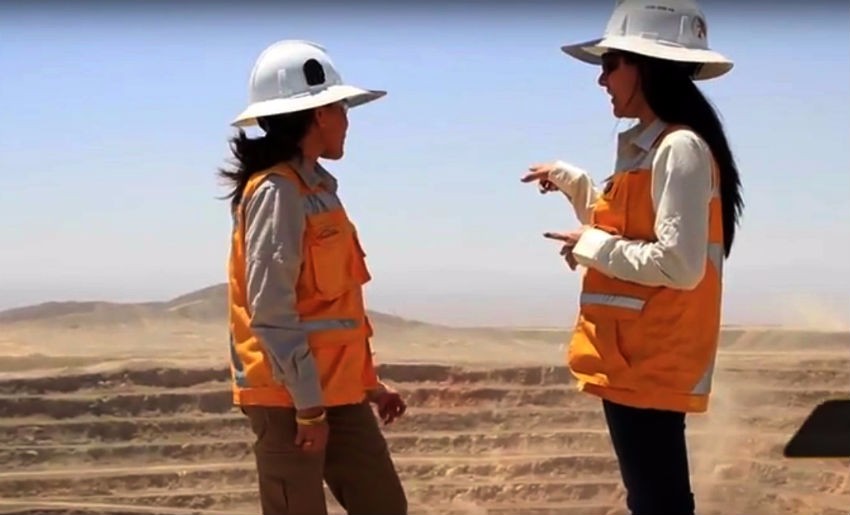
(353, 95)
(713, 63)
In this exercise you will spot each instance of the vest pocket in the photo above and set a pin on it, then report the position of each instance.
(597, 344)
(593, 351)
(331, 258)
(609, 318)
(360, 270)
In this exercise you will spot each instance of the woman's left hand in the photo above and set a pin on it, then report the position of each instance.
(570, 240)
(388, 401)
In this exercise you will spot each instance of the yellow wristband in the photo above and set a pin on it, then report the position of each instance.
(311, 421)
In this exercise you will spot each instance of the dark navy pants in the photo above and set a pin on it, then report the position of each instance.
(651, 449)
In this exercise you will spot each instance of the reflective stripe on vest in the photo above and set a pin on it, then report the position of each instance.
(617, 301)
(238, 366)
(715, 256)
(308, 326)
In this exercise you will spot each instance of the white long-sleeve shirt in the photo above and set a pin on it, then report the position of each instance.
(682, 187)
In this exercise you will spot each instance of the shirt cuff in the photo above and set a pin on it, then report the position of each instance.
(562, 175)
(307, 394)
(305, 385)
(594, 248)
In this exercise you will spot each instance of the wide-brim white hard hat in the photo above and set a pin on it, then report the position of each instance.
(673, 30)
(352, 95)
(278, 85)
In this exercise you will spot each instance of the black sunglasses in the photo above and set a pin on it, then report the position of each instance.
(611, 61)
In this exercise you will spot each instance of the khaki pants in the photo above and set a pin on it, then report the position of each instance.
(356, 464)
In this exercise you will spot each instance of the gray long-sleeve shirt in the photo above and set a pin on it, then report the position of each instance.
(275, 217)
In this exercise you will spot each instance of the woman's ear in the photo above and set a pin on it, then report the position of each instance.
(320, 116)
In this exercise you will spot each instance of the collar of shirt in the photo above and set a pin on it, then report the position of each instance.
(313, 178)
(634, 144)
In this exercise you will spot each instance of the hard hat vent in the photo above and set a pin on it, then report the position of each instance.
(314, 73)
(699, 28)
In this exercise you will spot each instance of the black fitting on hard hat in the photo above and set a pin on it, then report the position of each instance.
(314, 72)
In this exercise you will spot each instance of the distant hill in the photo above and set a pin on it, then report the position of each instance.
(208, 306)
(73, 310)
(205, 305)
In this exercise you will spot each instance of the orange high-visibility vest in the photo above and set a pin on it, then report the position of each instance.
(642, 346)
(329, 300)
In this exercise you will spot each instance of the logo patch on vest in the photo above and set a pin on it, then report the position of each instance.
(327, 232)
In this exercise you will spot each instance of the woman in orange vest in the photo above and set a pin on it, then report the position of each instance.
(299, 336)
(652, 242)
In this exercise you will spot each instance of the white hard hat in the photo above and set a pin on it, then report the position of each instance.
(666, 29)
(294, 75)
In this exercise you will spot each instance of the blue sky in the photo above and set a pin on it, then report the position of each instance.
(115, 122)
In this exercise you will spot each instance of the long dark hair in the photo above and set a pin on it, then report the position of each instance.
(670, 92)
(281, 142)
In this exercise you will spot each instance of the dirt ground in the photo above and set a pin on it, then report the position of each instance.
(108, 409)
